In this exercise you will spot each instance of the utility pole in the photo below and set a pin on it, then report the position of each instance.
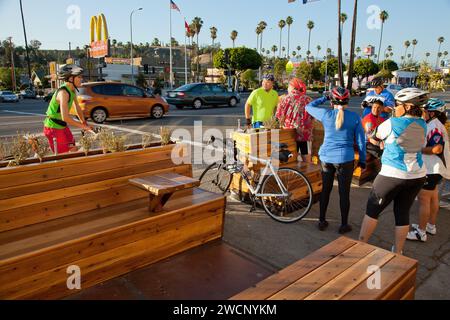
(70, 50)
(13, 70)
(26, 45)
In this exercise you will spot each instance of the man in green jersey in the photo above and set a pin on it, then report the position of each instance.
(58, 112)
(262, 102)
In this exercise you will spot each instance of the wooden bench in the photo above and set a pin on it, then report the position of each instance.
(340, 271)
(373, 167)
(84, 212)
(162, 186)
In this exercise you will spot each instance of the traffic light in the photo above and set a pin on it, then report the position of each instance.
(146, 68)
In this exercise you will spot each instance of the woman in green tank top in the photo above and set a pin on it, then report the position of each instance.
(58, 112)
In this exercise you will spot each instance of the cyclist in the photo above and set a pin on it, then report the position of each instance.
(262, 102)
(370, 124)
(292, 115)
(389, 102)
(58, 112)
(436, 156)
(337, 155)
(403, 171)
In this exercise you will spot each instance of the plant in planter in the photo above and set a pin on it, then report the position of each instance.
(117, 144)
(4, 152)
(39, 145)
(86, 142)
(106, 138)
(271, 124)
(146, 140)
(165, 134)
(20, 150)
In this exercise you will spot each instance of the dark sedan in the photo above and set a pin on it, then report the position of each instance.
(197, 95)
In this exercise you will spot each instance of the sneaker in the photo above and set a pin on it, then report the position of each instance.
(323, 225)
(393, 250)
(417, 235)
(431, 229)
(345, 229)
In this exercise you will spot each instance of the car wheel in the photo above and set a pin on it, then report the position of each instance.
(233, 102)
(157, 112)
(99, 115)
(197, 104)
(179, 107)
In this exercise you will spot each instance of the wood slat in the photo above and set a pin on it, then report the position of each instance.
(402, 288)
(352, 277)
(163, 183)
(120, 260)
(391, 274)
(292, 273)
(45, 210)
(325, 273)
(91, 244)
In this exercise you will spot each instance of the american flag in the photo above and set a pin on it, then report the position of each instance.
(174, 6)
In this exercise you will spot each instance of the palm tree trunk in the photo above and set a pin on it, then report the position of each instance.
(261, 42)
(198, 62)
(309, 40)
(352, 49)
(233, 44)
(340, 66)
(437, 58)
(279, 49)
(381, 39)
(414, 51)
(257, 42)
(289, 40)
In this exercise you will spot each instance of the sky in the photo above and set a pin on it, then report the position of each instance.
(56, 23)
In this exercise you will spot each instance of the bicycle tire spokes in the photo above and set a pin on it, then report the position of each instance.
(215, 179)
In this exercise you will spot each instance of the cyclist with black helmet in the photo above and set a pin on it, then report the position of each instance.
(370, 124)
(262, 103)
(403, 170)
(58, 112)
(337, 155)
(436, 156)
(378, 90)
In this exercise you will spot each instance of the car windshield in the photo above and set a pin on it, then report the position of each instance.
(186, 87)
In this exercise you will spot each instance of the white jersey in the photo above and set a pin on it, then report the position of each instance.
(436, 164)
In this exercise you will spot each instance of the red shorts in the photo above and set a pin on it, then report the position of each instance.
(64, 139)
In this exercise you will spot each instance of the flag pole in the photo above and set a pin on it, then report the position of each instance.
(185, 56)
(171, 70)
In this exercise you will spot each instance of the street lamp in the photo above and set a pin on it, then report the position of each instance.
(26, 45)
(131, 31)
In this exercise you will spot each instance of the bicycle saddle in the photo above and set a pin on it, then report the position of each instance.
(279, 146)
(283, 156)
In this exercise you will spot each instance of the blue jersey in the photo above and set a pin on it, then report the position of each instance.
(339, 145)
(389, 101)
(404, 139)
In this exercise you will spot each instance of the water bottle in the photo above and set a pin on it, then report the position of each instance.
(239, 129)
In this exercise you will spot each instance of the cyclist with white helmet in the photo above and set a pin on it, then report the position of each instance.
(403, 170)
(379, 91)
(436, 155)
(58, 112)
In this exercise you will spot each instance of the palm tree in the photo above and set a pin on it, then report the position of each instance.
(281, 25)
(344, 18)
(414, 43)
(289, 22)
(283, 49)
(310, 26)
(114, 44)
(274, 50)
(233, 36)
(267, 52)
(358, 51)
(352, 47)
(407, 44)
(384, 15)
(328, 52)
(440, 40)
(340, 67)
(197, 24)
(318, 51)
(445, 54)
(258, 31)
(213, 34)
(294, 53)
(263, 26)
(428, 54)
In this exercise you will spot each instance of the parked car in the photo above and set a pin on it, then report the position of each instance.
(197, 95)
(8, 96)
(362, 91)
(102, 100)
(28, 94)
(393, 88)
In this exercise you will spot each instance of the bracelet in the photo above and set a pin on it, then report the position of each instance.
(249, 121)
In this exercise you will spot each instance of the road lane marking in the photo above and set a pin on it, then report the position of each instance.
(24, 113)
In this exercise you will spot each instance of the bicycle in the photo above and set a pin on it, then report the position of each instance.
(285, 193)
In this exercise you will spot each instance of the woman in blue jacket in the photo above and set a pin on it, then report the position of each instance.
(337, 154)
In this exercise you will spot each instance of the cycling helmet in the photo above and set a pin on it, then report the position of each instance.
(413, 96)
(269, 77)
(436, 105)
(377, 82)
(340, 96)
(298, 85)
(374, 99)
(69, 70)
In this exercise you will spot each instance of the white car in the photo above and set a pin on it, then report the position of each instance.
(393, 88)
(8, 96)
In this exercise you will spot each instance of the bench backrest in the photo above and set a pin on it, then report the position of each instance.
(41, 192)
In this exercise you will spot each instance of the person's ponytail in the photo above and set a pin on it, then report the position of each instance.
(340, 118)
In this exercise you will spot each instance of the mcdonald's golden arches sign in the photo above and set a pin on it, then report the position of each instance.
(99, 37)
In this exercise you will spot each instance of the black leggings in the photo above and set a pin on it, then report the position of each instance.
(401, 191)
(344, 173)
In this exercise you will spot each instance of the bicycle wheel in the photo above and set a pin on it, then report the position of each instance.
(296, 205)
(216, 179)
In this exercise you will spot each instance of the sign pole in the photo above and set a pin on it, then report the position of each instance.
(171, 67)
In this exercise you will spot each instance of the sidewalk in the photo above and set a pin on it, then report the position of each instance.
(280, 245)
